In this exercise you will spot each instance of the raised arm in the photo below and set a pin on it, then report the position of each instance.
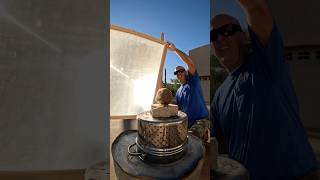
(259, 18)
(185, 58)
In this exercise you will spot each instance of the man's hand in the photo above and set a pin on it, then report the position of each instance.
(201, 129)
(185, 58)
(259, 18)
(171, 46)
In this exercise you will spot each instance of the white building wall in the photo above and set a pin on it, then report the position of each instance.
(201, 58)
(299, 24)
(297, 20)
(305, 74)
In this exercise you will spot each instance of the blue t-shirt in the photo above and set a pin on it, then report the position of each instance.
(256, 112)
(190, 99)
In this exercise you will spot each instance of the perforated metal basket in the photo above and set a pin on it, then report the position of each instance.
(161, 138)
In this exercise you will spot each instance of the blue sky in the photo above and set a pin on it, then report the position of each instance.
(186, 23)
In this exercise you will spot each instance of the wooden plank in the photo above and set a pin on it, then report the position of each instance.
(159, 79)
(128, 117)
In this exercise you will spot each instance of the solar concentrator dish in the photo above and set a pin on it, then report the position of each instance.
(136, 61)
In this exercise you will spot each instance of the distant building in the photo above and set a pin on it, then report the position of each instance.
(201, 58)
(300, 27)
(304, 62)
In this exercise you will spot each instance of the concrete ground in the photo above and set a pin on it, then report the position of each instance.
(41, 175)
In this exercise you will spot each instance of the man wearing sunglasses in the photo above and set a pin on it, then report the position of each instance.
(255, 111)
(189, 96)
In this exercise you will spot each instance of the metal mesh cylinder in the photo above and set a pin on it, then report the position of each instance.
(162, 137)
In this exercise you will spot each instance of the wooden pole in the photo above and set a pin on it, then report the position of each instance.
(165, 77)
(159, 80)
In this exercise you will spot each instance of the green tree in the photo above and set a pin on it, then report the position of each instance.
(173, 86)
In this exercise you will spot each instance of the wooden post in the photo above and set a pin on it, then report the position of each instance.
(165, 77)
(159, 80)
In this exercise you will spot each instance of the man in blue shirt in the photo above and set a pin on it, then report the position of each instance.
(189, 96)
(255, 111)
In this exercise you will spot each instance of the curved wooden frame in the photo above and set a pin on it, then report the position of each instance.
(146, 36)
(163, 57)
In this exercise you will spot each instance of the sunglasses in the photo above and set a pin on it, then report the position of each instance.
(225, 31)
(179, 71)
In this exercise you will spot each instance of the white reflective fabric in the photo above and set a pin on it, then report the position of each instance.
(134, 69)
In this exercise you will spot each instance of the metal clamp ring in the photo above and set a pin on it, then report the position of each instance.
(134, 153)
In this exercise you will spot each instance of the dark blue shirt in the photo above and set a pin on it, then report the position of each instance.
(190, 99)
(256, 112)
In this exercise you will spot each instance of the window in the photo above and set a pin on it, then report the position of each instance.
(303, 55)
(289, 56)
(318, 55)
(205, 78)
